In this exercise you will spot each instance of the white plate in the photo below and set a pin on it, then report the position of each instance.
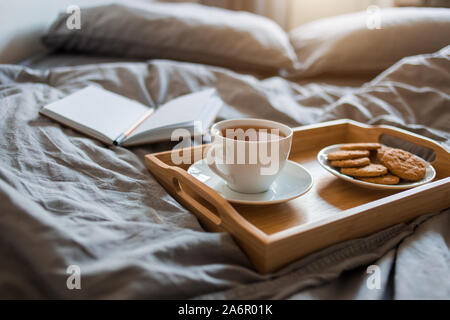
(322, 158)
(293, 181)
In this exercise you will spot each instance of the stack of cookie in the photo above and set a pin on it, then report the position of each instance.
(373, 163)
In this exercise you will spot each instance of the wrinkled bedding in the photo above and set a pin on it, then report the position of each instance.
(66, 199)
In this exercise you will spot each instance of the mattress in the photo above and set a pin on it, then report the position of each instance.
(67, 200)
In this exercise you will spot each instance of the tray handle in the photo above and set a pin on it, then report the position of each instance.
(440, 152)
(178, 177)
(442, 159)
(219, 212)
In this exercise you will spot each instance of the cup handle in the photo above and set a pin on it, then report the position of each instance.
(211, 161)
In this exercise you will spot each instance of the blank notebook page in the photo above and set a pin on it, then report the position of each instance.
(181, 110)
(100, 110)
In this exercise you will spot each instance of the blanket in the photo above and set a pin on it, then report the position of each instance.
(68, 203)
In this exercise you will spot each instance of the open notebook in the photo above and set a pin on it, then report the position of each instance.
(114, 119)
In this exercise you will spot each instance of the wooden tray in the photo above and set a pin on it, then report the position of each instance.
(332, 211)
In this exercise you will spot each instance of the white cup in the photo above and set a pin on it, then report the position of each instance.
(249, 166)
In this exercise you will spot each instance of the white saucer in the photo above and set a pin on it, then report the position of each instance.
(293, 181)
(322, 158)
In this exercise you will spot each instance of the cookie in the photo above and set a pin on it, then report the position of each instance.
(371, 170)
(386, 179)
(404, 164)
(380, 153)
(361, 146)
(351, 163)
(347, 154)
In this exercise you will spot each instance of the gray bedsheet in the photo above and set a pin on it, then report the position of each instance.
(66, 199)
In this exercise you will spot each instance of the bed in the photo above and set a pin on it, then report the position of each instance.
(68, 200)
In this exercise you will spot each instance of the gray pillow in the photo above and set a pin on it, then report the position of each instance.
(187, 31)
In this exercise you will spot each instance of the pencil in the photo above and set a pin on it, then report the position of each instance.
(127, 133)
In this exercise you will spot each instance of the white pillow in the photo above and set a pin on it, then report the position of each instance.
(187, 31)
(345, 45)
